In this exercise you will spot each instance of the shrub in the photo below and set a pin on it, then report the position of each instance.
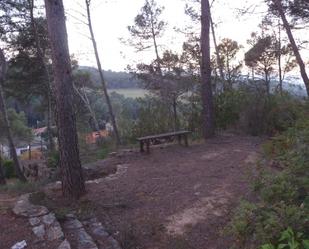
(8, 167)
(228, 106)
(53, 159)
(283, 193)
(290, 240)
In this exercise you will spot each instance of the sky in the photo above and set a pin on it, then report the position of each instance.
(111, 18)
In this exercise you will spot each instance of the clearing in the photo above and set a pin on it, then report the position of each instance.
(173, 198)
(177, 197)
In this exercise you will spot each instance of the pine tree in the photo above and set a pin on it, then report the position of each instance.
(72, 176)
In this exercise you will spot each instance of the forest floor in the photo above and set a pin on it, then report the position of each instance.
(173, 198)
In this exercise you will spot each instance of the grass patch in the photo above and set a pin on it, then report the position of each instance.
(14, 186)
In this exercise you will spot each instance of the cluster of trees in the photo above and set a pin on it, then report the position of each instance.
(40, 70)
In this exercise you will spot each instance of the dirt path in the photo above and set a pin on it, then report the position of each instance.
(176, 197)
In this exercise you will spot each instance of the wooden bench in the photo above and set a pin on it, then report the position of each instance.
(167, 136)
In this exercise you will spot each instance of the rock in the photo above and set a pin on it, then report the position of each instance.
(20, 245)
(49, 219)
(70, 216)
(39, 231)
(34, 221)
(101, 236)
(84, 240)
(90, 173)
(72, 224)
(24, 208)
(114, 243)
(64, 245)
(113, 154)
(55, 232)
(98, 230)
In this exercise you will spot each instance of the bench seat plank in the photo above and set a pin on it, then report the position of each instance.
(146, 140)
(163, 135)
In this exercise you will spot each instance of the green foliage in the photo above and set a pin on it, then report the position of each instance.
(289, 240)
(255, 113)
(8, 167)
(228, 106)
(18, 187)
(53, 159)
(18, 126)
(154, 117)
(283, 188)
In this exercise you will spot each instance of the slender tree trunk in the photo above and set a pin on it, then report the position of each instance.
(175, 113)
(293, 44)
(2, 176)
(207, 98)
(279, 60)
(72, 176)
(41, 56)
(6, 121)
(252, 71)
(267, 81)
(108, 101)
(216, 47)
(86, 102)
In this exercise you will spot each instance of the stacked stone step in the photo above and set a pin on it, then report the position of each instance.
(89, 234)
(44, 224)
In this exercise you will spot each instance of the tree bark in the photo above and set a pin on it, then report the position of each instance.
(207, 96)
(41, 56)
(85, 99)
(71, 171)
(176, 126)
(2, 176)
(103, 82)
(6, 121)
(216, 47)
(299, 59)
(280, 60)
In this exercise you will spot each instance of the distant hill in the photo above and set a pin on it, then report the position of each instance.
(115, 80)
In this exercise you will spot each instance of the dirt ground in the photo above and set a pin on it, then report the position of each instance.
(15, 229)
(173, 198)
(177, 197)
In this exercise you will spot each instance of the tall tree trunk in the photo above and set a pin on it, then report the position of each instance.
(216, 47)
(155, 44)
(85, 99)
(2, 176)
(6, 121)
(71, 171)
(293, 44)
(176, 127)
(103, 82)
(267, 81)
(207, 98)
(280, 60)
(41, 56)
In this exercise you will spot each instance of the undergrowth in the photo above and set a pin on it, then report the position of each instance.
(280, 218)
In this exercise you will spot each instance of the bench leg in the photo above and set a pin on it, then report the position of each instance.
(186, 141)
(147, 146)
(141, 143)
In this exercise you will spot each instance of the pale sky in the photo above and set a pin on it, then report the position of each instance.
(111, 18)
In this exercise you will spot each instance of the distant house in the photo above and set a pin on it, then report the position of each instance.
(22, 147)
(109, 127)
(4, 151)
(92, 138)
(39, 131)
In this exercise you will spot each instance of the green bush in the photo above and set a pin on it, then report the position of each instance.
(8, 167)
(53, 159)
(228, 107)
(290, 240)
(252, 111)
(282, 186)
